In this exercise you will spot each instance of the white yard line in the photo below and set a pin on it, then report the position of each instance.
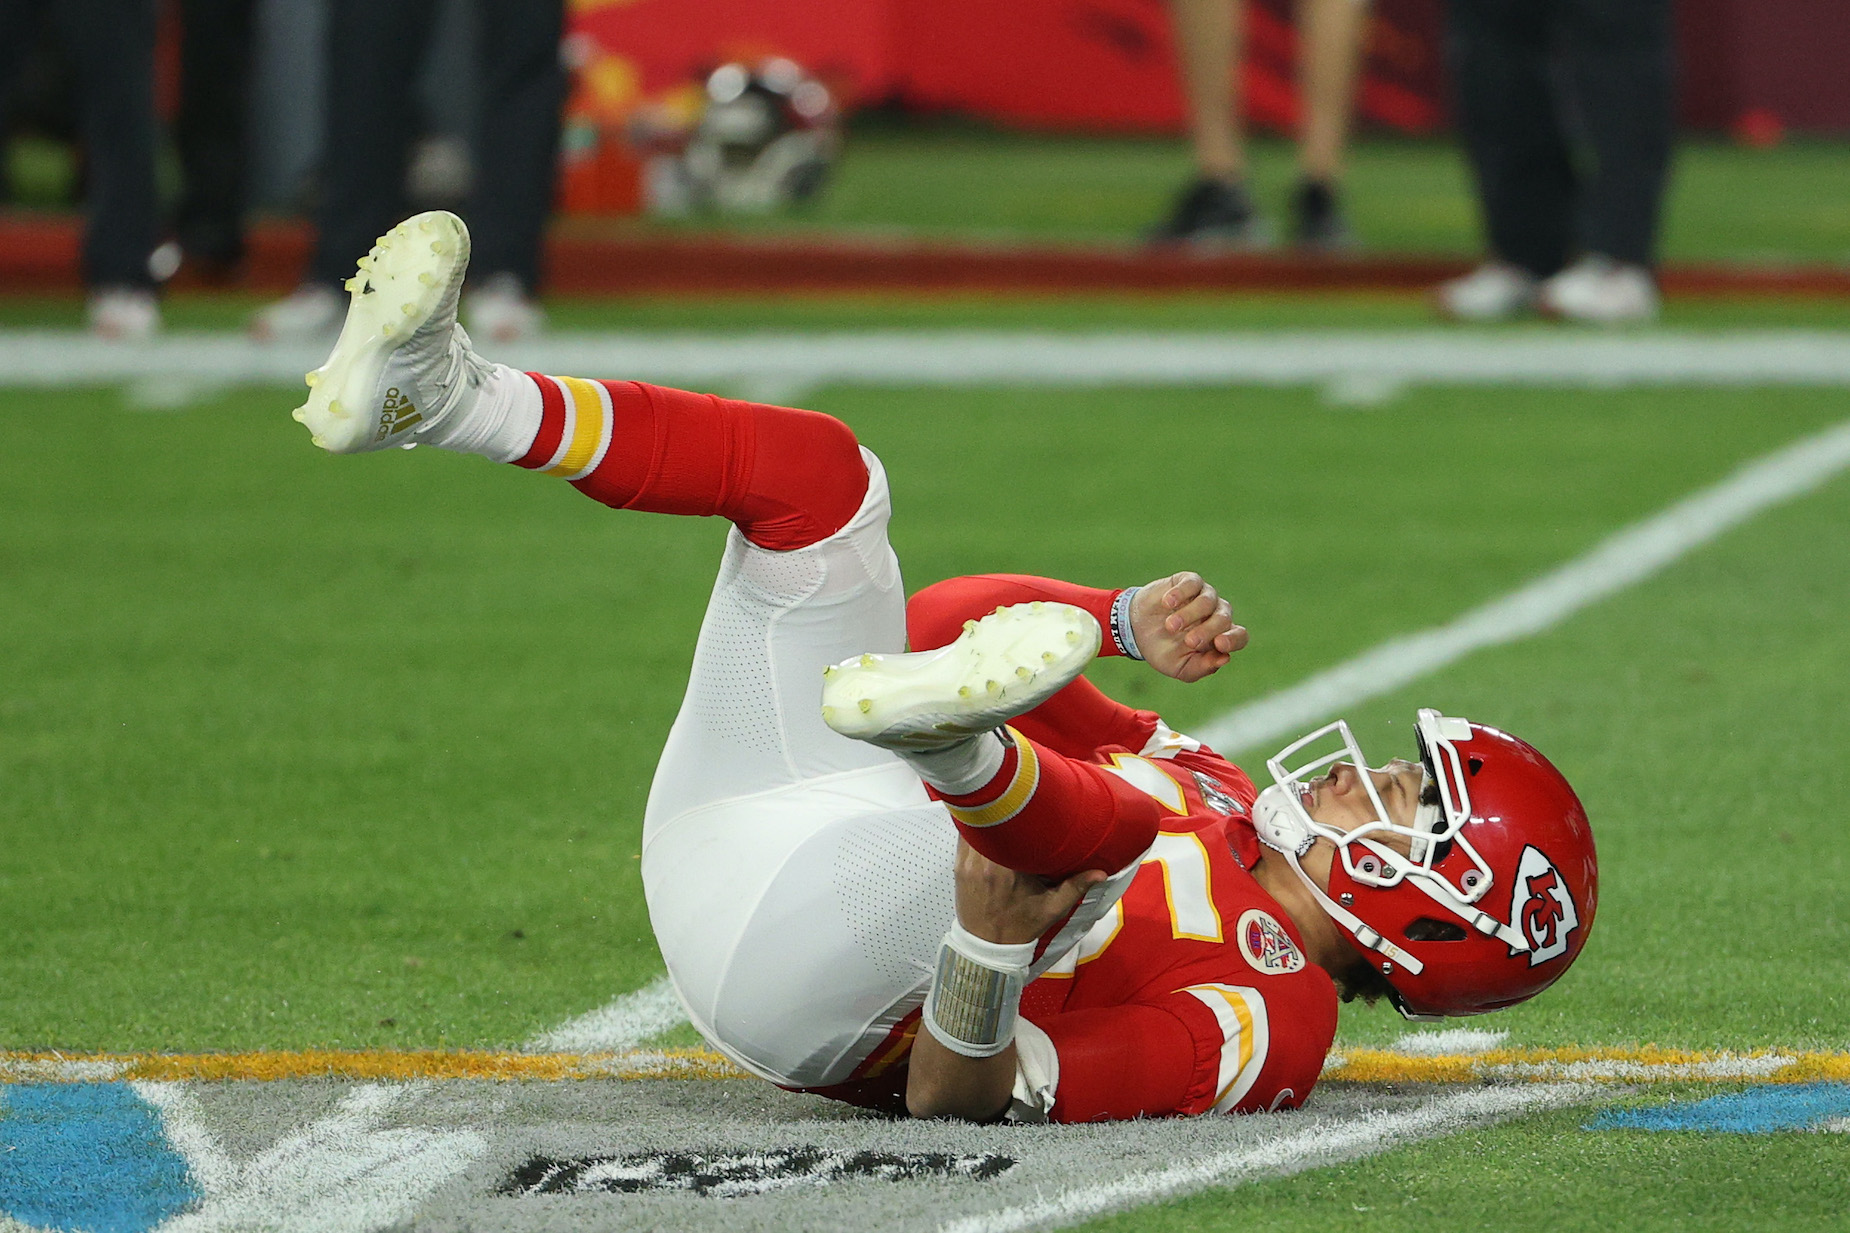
(1345, 360)
(622, 1024)
(1623, 560)
(1313, 1146)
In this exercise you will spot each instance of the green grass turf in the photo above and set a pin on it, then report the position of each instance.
(1541, 1173)
(800, 312)
(309, 751)
(1724, 203)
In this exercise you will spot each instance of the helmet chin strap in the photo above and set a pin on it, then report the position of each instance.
(1284, 832)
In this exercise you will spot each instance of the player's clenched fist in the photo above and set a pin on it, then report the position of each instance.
(1184, 628)
(999, 905)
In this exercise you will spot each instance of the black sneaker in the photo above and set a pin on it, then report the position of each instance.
(1318, 225)
(1212, 214)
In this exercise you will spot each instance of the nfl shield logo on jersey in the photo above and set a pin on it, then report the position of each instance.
(1215, 795)
(1541, 908)
(1266, 945)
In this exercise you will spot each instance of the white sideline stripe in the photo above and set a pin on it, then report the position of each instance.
(618, 1026)
(1623, 560)
(340, 1174)
(1836, 1126)
(1598, 1071)
(1346, 359)
(1320, 1144)
(1447, 1042)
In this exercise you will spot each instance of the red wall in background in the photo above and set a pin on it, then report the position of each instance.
(1106, 64)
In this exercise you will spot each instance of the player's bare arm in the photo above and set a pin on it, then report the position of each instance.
(1184, 627)
(998, 905)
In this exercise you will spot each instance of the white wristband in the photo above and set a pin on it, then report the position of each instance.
(975, 993)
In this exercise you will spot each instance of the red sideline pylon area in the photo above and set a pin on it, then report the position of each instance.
(39, 254)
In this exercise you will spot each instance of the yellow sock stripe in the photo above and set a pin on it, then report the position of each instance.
(1015, 798)
(587, 427)
(368, 1064)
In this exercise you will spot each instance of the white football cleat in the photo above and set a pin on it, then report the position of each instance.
(1008, 663)
(1600, 291)
(123, 314)
(1495, 291)
(401, 363)
(310, 313)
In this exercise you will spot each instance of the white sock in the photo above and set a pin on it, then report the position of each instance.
(961, 768)
(499, 418)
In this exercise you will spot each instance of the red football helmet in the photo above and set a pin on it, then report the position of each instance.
(1494, 894)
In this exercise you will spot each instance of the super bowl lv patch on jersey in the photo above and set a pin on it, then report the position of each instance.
(1266, 945)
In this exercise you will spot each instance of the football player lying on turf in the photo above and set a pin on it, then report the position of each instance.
(1132, 929)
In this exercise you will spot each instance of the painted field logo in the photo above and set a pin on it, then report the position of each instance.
(726, 1174)
(1266, 945)
(1541, 908)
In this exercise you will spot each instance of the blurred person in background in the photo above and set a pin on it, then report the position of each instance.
(209, 133)
(373, 48)
(111, 46)
(1565, 111)
(1216, 209)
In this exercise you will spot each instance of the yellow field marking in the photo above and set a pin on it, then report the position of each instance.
(369, 1064)
(1645, 1064)
(1648, 1063)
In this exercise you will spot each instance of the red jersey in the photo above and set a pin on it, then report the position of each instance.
(1193, 994)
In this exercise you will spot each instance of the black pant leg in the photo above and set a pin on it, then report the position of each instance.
(523, 91)
(374, 51)
(19, 24)
(209, 132)
(112, 43)
(1510, 119)
(1619, 63)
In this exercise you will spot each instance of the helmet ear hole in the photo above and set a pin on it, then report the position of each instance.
(1430, 929)
(1474, 764)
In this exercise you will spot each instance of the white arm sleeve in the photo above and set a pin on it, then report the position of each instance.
(1037, 1074)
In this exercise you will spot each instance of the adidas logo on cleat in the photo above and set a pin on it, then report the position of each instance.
(396, 415)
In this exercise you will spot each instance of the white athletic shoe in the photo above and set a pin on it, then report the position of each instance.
(1009, 662)
(1600, 291)
(1495, 291)
(401, 363)
(123, 314)
(310, 313)
(500, 310)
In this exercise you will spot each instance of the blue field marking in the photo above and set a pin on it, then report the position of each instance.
(87, 1156)
(1757, 1111)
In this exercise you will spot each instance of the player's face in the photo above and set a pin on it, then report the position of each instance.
(1338, 799)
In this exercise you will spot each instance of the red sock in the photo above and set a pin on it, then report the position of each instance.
(786, 478)
(1047, 814)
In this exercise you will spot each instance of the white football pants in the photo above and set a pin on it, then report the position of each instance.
(798, 882)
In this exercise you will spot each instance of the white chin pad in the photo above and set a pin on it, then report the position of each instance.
(1280, 820)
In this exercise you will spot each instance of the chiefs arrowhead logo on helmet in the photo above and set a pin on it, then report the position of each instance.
(1542, 910)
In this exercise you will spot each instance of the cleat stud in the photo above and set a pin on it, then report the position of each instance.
(1037, 606)
(426, 226)
(311, 379)
(969, 626)
(1024, 673)
(386, 329)
(352, 284)
(427, 279)
(410, 310)
(992, 687)
(317, 441)
(1000, 609)
(963, 691)
(299, 415)
(366, 262)
(866, 705)
(1048, 657)
(436, 246)
(867, 661)
(334, 408)
(829, 671)
(828, 714)
(1072, 636)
